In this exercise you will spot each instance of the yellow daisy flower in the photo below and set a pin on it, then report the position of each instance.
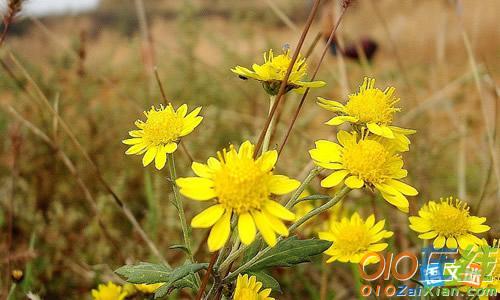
(109, 291)
(161, 132)
(241, 185)
(449, 223)
(148, 288)
(371, 108)
(371, 162)
(353, 238)
(248, 289)
(272, 72)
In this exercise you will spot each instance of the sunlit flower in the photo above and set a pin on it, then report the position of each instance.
(272, 72)
(353, 238)
(371, 162)
(248, 289)
(148, 288)
(449, 223)
(109, 291)
(371, 108)
(160, 133)
(243, 186)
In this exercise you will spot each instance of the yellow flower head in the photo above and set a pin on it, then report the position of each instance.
(449, 223)
(371, 108)
(148, 288)
(109, 291)
(353, 238)
(248, 289)
(272, 72)
(364, 162)
(160, 133)
(241, 186)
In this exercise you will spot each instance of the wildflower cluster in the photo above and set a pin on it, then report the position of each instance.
(244, 192)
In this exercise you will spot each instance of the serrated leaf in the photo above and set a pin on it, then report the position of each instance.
(178, 274)
(290, 252)
(146, 273)
(268, 281)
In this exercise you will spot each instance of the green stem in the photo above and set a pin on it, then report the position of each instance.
(339, 196)
(10, 296)
(186, 230)
(269, 132)
(293, 200)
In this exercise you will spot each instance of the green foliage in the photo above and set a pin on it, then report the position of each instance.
(267, 280)
(290, 252)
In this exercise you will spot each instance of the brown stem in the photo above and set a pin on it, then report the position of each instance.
(284, 82)
(206, 277)
(302, 100)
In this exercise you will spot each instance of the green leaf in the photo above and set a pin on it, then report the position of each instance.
(290, 252)
(178, 274)
(252, 250)
(268, 281)
(179, 247)
(146, 273)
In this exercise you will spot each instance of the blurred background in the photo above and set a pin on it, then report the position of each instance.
(93, 63)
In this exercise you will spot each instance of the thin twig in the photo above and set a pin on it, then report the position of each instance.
(206, 277)
(302, 100)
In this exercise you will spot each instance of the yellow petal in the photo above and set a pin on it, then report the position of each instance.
(213, 164)
(136, 148)
(149, 156)
(268, 160)
(182, 110)
(170, 148)
(278, 210)
(281, 185)
(439, 242)
(220, 232)
(334, 179)
(161, 157)
(194, 113)
(335, 121)
(199, 194)
(265, 229)
(428, 235)
(479, 228)
(132, 141)
(345, 138)
(194, 182)
(451, 242)
(354, 182)
(190, 125)
(246, 150)
(327, 236)
(246, 228)
(202, 170)
(276, 224)
(377, 247)
(404, 188)
(208, 217)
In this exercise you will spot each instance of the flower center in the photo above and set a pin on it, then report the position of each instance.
(241, 185)
(368, 160)
(372, 105)
(449, 220)
(162, 127)
(352, 239)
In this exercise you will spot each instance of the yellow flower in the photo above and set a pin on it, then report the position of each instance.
(273, 71)
(241, 186)
(248, 289)
(109, 291)
(371, 162)
(148, 288)
(160, 133)
(449, 222)
(371, 108)
(353, 238)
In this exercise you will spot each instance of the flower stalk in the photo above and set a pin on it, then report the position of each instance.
(269, 131)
